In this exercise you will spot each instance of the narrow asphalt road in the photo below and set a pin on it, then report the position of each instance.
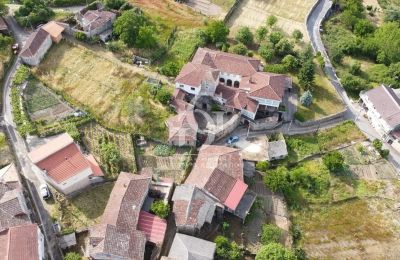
(29, 171)
(354, 111)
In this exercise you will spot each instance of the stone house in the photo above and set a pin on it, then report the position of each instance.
(37, 45)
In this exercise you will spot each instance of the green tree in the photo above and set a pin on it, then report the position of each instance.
(290, 62)
(3, 8)
(271, 20)
(216, 31)
(377, 144)
(164, 96)
(275, 251)
(266, 52)
(297, 35)
(146, 38)
(387, 40)
(261, 33)
(128, 25)
(114, 4)
(334, 161)
(170, 69)
(277, 180)
(33, 12)
(244, 35)
(363, 27)
(270, 234)
(355, 68)
(160, 208)
(307, 75)
(239, 48)
(283, 47)
(353, 85)
(275, 37)
(72, 256)
(262, 166)
(226, 250)
(306, 99)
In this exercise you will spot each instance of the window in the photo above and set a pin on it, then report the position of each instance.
(192, 89)
(181, 86)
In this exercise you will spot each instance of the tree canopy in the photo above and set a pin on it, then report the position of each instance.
(275, 251)
(270, 234)
(128, 25)
(216, 31)
(277, 180)
(334, 161)
(244, 35)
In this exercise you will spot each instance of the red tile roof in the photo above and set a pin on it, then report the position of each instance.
(265, 85)
(34, 42)
(118, 233)
(216, 170)
(94, 19)
(20, 243)
(227, 62)
(94, 166)
(62, 159)
(182, 126)
(236, 194)
(152, 226)
(193, 74)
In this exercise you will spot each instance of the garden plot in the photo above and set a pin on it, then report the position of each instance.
(291, 14)
(93, 133)
(5, 153)
(42, 104)
(170, 163)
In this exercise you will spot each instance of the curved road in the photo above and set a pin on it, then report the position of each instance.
(354, 111)
(32, 177)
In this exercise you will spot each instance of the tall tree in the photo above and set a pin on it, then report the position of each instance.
(216, 31)
(128, 25)
(244, 35)
(307, 74)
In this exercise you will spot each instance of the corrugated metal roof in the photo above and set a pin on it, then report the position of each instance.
(153, 227)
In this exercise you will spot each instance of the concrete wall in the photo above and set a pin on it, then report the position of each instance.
(189, 89)
(221, 131)
(321, 120)
(259, 125)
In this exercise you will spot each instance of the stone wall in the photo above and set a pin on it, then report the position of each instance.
(321, 120)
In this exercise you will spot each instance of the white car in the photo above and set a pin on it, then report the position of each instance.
(44, 192)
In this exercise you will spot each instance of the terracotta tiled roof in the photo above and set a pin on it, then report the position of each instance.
(178, 101)
(387, 103)
(193, 74)
(265, 85)
(227, 62)
(192, 206)
(94, 19)
(20, 243)
(61, 159)
(182, 126)
(53, 28)
(35, 40)
(117, 234)
(216, 170)
(96, 170)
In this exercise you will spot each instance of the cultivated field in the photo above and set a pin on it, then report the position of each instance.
(93, 133)
(112, 92)
(291, 14)
(42, 104)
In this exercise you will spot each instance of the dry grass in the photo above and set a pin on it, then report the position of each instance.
(82, 211)
(170, 11)
(291, 14)
(113, 93)
(326, 101)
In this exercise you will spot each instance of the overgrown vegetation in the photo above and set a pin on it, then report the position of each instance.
(226, 250)
(33, 12)
(160, 208)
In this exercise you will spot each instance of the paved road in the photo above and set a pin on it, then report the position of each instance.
(354, 111)
(31, 174)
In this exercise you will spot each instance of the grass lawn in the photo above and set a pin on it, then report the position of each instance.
(38, 98)
(113, 93)
(83, 210)
(301, 146)
(326, 100)
(5, 153)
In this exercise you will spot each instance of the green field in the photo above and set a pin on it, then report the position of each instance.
(38, 98)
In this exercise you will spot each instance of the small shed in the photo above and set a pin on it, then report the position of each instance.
(55, 30)
(140, 61)
(67, 241)
(277, 150)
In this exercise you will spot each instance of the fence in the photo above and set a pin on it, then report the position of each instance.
(321, 120)
(230, 12)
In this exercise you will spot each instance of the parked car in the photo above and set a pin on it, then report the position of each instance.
(233, 139)
(45, 192)
(15, 48)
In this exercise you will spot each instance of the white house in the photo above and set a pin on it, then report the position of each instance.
(383, 110)
(64, 166)
(36, 47)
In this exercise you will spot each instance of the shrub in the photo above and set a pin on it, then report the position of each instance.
(164, 96)
(353, 84)
(5, 41)
(275, 37)
(73, 131)
(160, 209)
(170, 69)
(262, 166)
(164, 150)
(33, 12)
(114, 4)
(271, 20)
(290, 62)
(363, 27)
(297, 35)
(306, 99)
(239, 48)
(110, 156)
(261, 33)
(21, 75)
(283, 47)
(270, 234)
(320, 60)
(80, 36)
(355, 68)
(146, 37)
(128, 26)
(277, 180)
(116, 46)
(227, 250)
(216, 31)
(244, 35)
(266, 52)
(334, 161)
(275, 251)
(72, 256)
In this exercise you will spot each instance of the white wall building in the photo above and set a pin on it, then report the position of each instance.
(37, 45)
